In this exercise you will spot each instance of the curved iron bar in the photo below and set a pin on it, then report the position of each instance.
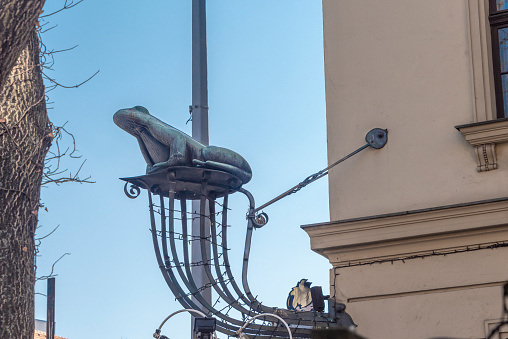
(251, 224)
(185, 241)
(231, 325)
(245, 266)
(171, 279)
(294, 318)
(229, 298)
(183, 210)
(232, 301)
(204, 256)
(260, 331)
(256, 306)
(224, 292)
(187, 279)
(190, 285)
(163, 230)
(179, 294)
(290, 316)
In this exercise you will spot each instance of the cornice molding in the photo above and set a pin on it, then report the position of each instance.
(485, 132)
(411, 232)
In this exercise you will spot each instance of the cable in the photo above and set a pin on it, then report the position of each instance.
(243, 336)
(157, 335)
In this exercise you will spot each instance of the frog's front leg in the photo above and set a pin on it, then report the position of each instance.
(174, 160)
(177, 155)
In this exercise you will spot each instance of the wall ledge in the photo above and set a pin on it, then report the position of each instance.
(484, 136)
(411, 232)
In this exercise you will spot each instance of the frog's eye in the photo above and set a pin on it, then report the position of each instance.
(141, 109)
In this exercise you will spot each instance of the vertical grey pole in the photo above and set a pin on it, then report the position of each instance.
(199, 127)
(50, 313)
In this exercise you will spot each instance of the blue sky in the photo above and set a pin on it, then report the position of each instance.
(267, 102)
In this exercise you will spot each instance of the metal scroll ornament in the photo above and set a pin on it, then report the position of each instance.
(133, 192)
(260, 220)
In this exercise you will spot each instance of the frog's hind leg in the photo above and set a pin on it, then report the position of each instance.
(241, 174)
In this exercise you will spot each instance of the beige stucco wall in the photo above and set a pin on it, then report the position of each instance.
(404, 65)
(428, 273)
(425, 298)
(418, 68)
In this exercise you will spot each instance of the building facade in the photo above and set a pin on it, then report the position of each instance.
(418, 236)
(42, 335)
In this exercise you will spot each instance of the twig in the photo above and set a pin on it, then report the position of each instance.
(47, 235)
(63, 50)
(63, 86)
(44, 277)
(49, 29)
(66, 6)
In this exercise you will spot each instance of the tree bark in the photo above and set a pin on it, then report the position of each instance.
(17, 21)
(25, 137)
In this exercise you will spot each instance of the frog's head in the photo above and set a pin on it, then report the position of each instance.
(132, 120)
(138, 122)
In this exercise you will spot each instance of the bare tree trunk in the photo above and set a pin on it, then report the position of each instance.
(17, 20)
(25, 136)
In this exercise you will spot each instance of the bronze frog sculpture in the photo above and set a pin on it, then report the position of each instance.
(164, 146)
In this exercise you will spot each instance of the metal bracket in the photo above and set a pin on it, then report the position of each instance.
(377, 138)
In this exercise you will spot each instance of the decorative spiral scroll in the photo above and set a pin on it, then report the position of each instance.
(133, 192)
(260, 220)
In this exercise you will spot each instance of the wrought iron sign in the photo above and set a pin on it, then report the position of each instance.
(180, 169)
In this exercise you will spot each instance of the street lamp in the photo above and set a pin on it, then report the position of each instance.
(180, 169)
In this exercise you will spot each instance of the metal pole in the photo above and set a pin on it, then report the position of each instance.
(50, 313)
(199, 129)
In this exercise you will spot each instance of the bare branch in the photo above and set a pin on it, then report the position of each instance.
(66, 6)
(63, 86)
(50, 275)
(49, 29)
(52, 172)
(47, 235)
(63, 50)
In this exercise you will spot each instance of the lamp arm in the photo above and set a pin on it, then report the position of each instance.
(158, 331)
(239, 332)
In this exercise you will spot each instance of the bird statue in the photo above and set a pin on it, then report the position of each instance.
(300, 299)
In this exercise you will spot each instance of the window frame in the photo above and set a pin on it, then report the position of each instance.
(498, 20)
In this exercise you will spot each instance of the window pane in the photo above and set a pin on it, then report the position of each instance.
(501, 5)
(503, 48)
(505, 95)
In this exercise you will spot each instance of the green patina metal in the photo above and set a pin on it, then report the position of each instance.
(164, 146)
(181, 168)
